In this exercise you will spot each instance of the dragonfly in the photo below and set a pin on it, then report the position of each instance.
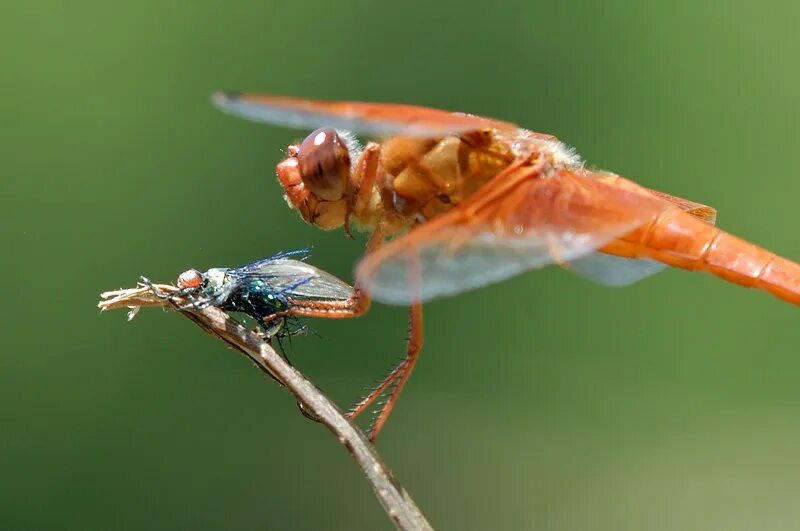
(272, 291)
(456, 201)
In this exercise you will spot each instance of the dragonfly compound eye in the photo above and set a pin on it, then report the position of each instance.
(324, 164)
(190, 279)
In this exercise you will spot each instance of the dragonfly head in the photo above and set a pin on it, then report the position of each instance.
(316, 178)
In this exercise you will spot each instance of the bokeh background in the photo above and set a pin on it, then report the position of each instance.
(545, 402)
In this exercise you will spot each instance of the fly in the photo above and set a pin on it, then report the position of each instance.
(272, 291)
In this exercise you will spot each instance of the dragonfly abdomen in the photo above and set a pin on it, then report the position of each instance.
(679, 239)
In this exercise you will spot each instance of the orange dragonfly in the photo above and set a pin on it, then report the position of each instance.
(475, 201)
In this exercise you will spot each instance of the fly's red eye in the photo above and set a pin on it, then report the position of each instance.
(324, 163)
(190, 279)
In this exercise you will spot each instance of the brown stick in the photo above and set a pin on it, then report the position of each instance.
(398, 505)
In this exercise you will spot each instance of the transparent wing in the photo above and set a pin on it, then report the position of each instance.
(698, 210)
(379, 119)
(516, 222)
(300, 280)
(614, 271)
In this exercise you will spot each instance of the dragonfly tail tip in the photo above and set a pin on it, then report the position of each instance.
(221, 97)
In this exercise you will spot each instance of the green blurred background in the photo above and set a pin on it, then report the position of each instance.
(545, 402)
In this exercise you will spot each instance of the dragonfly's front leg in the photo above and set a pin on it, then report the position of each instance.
(356, 306)
(362, 184)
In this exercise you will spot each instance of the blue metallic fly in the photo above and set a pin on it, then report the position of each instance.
(272, 291)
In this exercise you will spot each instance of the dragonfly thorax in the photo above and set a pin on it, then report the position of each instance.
(428, 177)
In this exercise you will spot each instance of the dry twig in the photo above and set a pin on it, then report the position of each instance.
(395, 500)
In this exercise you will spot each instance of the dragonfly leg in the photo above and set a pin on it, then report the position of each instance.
(277, 315)
(362, 183)
(376, 391)
(397, 377)
(355, 306)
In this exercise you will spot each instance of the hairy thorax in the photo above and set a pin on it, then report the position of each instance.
(423, 178)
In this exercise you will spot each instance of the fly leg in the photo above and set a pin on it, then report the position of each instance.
(165, 296)
(270, 329)
(147, 282)
(195, 304)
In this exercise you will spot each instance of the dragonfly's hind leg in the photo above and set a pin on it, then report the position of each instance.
(412, 350)
(397, 377)
(357, 305)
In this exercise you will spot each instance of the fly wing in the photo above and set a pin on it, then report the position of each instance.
(299, 280)
(519, 220)
(378, 119)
